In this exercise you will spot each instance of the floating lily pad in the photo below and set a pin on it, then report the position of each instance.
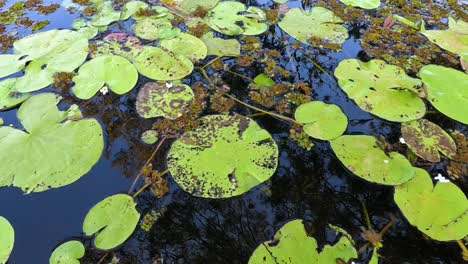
(152, 28)
(116, 72)
(7, 233)
(47, 52)
(150, 137)
(293, 245)
(221, 47)
(263, 80)
(185, 45)
(321, 120)
(130, 8)
(190, 6)
(441, 212)
(426, 139)
(105, 14)
(363, 156)
(68, 253)
(447, 90)
(381, 89)
(9, 97)
(233, 18)
(112, 220)
(157, 64)
(366, 4)
(318, 23)
(224, 156)
(167, 100)
(68, 149)
(454, 39)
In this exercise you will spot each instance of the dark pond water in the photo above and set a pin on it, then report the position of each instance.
(310, 185)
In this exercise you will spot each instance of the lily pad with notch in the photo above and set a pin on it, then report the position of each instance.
(67, 253)
(7, 233)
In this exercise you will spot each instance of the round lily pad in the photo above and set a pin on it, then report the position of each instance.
(440, 212)
(151, 28)
(150, 136)
(186, 45)
(105, 14)
(426, 139)
(294, 245)
(381, 89)
(447, 90)
(112, 220)
(223, 157)
(221, 47)
(68, 253)
(321, 120)
(318, 22)
(9, 96)
(363, 156)
(366, 4)
(233, 18)
(130, 8)
(167, 100)
(68, 148)
(46, 53)
(7, 233)
(116, 72)
(190, 6)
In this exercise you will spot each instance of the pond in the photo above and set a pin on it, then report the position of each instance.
(180, 131)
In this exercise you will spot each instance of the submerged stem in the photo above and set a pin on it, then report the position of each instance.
(148, 184)
(464, 249)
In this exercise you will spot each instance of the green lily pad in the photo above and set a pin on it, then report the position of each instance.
(321, 120)
(68, 253)
(47, 52)
(150, 137)
(263, 80)
(366, 4)
(293, 245)
(190, 6)
(105, 14)
(115, 72)
(68, 149)
(381, 89)
(185, 45)
(447, 90)
(454, 39)
(441, 212)
(319, 23)
(157, 64)
(167, 100)
(426, 139)
(233, 18)
(9, 97)
(112, 220)
(130, 8)
(224, 156)
(7, 233)
(363, 156)
(221, 47)
(152, 28)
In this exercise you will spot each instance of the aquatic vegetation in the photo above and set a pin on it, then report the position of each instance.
(440, 212)
(8, 239)
(382, 89)
(9, 96)
(366, 4)
(190, 6)
(246, 156)
(292, 244)
(150, 136)
(69, 252)
(112, 221)
(426, 139)
(114, 72)
(221, 47)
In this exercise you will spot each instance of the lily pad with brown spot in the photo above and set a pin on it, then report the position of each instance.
(426, 139)
(167, 100)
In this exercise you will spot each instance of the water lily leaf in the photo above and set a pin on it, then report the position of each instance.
(69, 252)
(375, 256)
(157, 64)
(319, 23)
(321, 120)
(221, 47)
(426, 139)
(224, 156)
(441, 212)
(68, 149)
(7, 233)
(233, 18)
(293, 245)
(112, 220)
(190, 6)
(9, 96)
(381, 89)
(130, 8)
(149, 137)
(116, 72)
(151, 28)
(167, 100)
(363, 156)
(454, 39)
(366, 4)
(263, 80)
(105, 14)
(185, 45)
(47, 52)
(447, 90)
